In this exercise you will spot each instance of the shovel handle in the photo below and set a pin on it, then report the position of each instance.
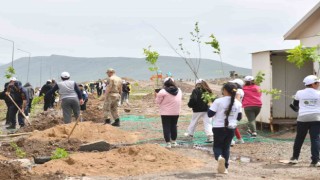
(25, 117)
(74, 127)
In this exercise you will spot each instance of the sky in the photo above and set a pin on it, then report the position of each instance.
(122, 28)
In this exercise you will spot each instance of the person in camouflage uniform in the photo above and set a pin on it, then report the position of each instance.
(112, 98)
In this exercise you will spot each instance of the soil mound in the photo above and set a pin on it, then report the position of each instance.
(125, 161)
(86, 132)
(44, 120)
(13, 170)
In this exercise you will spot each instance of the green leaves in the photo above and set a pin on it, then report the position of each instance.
(208, 97)
(214, 43)
(151, 56)
(9, 72)
(59, 153)
(276, 93)
(300, 55)
(259, 78)
(19, 152)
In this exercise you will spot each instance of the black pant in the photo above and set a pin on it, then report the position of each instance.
(99, 91)
(221, 143)
(314, 131)
(13, 113)
(169, 125)
(47, 104)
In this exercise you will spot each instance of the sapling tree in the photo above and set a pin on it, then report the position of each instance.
(10, 71)
(275, 93)
(214, 43)
(152, 59)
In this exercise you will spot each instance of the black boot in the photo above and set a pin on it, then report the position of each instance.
(116, 123)
(11, 127)
(107, 121)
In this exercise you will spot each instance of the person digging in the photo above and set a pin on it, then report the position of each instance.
(112, 98)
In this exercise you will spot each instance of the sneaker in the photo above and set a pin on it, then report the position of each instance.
(168, 145)
(116, 123)
(189, 136)
(174, 144)
(254, 135)
(226, 171)
(293, 160)
(221, 165)
(249, 132)
(315, 164)
(233, 143)
(240, 141)
(11, 127)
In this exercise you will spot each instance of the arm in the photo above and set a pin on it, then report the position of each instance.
(159, 97)
(51, 91)
(76, 88)
(192, 99)
(211, 113)
(239, 117)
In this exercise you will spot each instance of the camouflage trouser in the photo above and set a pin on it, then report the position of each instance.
(111, 107)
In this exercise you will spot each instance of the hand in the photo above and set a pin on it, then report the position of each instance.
(81, 102)
(7, 93)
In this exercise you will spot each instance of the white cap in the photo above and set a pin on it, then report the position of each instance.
(49, 80)
(167, 79)
(65, 75)
(248, 78)
(13, 79)
(238, 81)
(310, 80)
(198, 81)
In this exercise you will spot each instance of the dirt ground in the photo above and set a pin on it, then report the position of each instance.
(256, 159)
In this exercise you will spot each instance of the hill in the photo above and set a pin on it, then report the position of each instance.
(89, 69)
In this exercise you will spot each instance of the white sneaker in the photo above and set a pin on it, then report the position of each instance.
(189, 136)
(233, 142)
(315, 165)
(168, 145)
(240, 141)
(209, 139)
(174, 144)
(293, 161)
(226, 171)
(221, 165)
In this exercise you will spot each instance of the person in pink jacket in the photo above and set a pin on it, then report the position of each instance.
(251, 103)
(169, 100)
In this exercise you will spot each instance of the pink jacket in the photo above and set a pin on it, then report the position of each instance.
(169, 104)
(252, 96)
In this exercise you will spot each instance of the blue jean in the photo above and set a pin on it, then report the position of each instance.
(221, 144)
(314, 132)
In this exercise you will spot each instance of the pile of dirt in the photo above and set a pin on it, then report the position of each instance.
(125, 161)
(13, 170)
(86, 132)
(44, 120)
(2, 158)
(94, 110)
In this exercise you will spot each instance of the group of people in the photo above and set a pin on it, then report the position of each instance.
(220, 117)
(17, 97)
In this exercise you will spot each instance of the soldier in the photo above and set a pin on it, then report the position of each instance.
(112, 98)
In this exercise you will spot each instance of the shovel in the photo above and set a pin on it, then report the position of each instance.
(25, 117)
(74, 126)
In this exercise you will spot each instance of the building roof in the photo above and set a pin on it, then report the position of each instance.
(308, 19)
(272, 51)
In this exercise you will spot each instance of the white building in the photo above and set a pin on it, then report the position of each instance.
(283, 75)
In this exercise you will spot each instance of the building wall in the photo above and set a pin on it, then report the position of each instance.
(261, 62)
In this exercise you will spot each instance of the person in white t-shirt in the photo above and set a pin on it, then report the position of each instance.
(307, 103)
(239, 95)
(226, 112)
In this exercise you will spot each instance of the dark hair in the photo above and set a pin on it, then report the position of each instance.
(63, 79)
(231, 88)
(169, 83)
(205, 87)
(248, 83)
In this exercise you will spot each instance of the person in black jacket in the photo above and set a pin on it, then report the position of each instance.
(7, 101)
(47, 100)
(200, 109)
